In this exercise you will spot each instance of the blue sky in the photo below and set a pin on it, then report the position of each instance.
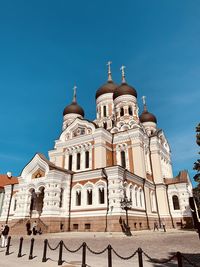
(48, 46)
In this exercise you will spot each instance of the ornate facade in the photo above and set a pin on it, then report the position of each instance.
(95, 165)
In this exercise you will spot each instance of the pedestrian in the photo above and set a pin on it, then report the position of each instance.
(28, 227)
(164, 226)
(34, 228)
(4, 236)
(1, 230)
(155, 226)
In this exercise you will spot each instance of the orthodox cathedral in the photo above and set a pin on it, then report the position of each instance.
(110, 174)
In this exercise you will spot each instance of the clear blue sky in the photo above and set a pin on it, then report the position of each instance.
(48, 46)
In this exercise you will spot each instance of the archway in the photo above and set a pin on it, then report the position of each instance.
(37, 200)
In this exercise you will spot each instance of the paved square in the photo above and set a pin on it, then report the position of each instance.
(157, 245)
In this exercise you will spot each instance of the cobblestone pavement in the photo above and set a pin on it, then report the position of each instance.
(158, 245)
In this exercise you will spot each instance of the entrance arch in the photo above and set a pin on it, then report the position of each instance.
(37, 201)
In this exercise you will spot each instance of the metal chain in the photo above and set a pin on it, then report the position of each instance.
(159, 261)
(124, 258)
(191, 263)
(95, 252)
(72, 251)
(51, 247)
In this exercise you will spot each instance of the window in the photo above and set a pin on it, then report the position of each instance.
(78, 198)
(136, 197)
(87, 226)
(175, 203)
(75, 226)
(70, 163)
(123, 159)
(15, 205)
(130, 111)
(105, 125)
(78, 162)
(89, 196)
(104, 111)
(87, 159)
(61, 198)
(101, 195)
(121, 112)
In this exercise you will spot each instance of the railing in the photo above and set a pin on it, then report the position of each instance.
(178, 258)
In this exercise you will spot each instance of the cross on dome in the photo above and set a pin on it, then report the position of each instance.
(144, 102)
(123, 73)
(109, 71)
(74, 96)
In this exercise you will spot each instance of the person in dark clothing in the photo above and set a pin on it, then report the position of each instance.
(28, 227)
(4, 236)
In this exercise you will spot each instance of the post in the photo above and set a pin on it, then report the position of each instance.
(20, 247)
(84, 255)
(44, 258)
(60, 253)
(11, 193)
(31, 249)
(109, 256)
(127, 217)
(8, 246)
(179, 259)
(140, 260)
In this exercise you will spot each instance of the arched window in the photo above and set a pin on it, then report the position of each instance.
(61, 198)
(131, 193)
(105, 125)
(130, 111)
(123, 159)
(101, 195)
(153, 201)
(78, 163)
(87, 154)
(122, 112)
(70, 163)
(104, 111)
(89, 196)
(136, 197)
(140, 198)
(78, 198)
(175, 203)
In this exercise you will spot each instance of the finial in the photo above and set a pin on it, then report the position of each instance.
(109, 71)
(74, 96)
(144, 102)
(123, 73)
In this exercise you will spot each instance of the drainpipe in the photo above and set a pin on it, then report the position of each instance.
(70, 194)
(145, 204)
(106, 178)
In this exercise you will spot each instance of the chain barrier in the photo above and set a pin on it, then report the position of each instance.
(191, 263)
(51, 247)
(124, 258)
(72, 251)
(159, 261)
(96, 252)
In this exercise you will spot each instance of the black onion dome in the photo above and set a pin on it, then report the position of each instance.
(108, 87)
(73, 108)
(147, 117)
(124, 89)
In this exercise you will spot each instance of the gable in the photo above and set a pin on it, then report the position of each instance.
(76, 129)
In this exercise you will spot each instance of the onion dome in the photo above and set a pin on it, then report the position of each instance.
(124, 88)
(108, 87)
(74, 107)
(147, 116)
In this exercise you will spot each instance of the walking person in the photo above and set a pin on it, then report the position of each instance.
(28, 227)
(164, 226)
(34, 228)
(155, 226)
(4, 236)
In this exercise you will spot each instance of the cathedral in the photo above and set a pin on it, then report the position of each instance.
(110, 174)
